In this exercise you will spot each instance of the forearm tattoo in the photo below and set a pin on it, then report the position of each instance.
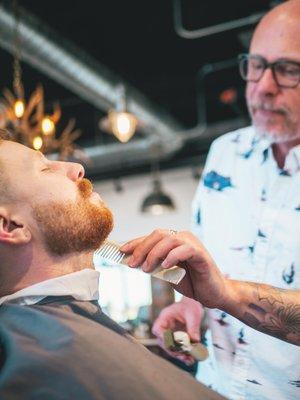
(274, 312)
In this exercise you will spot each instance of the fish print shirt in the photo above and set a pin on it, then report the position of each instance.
(247, 213)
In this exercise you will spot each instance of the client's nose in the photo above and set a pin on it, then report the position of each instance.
(75, 171)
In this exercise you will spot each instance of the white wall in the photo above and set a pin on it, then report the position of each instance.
(129, 221)
(123, 290)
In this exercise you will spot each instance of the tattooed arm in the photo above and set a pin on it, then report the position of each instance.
(270, 310)
(265, 308)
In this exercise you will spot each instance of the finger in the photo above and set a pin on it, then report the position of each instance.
(181, 254)
(194, 314)
(163, 323)
(128, 247)
(193, 326)
(159, 252)
(141, 251)
(158, 330)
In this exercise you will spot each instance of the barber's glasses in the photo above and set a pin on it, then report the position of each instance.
(285, 73)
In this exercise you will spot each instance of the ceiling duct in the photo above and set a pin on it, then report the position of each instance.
(71, 67)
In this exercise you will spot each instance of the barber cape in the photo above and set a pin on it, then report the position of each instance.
(61, 348)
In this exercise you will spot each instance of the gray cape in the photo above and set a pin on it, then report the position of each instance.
(64, 349)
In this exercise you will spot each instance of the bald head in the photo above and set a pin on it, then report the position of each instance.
(287, 8)
(279, 27)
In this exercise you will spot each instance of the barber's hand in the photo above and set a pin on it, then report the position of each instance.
(185, 315)
(202, 282)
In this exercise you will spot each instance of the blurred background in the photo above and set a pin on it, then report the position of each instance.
(136, 91)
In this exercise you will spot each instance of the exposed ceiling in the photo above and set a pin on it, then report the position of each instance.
(136, 42)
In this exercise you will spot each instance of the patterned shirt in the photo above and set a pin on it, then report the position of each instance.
(247, 213)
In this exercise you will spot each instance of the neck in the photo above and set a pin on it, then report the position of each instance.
(281, 150)
(28, 266)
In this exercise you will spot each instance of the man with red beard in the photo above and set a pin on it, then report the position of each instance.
(55, 342)
(247, 213)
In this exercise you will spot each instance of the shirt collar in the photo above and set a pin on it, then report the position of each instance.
(82, 285)
(250, 143)
(256, 144)
(292, 162)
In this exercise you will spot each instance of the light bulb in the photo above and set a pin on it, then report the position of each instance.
(48, 126)
(123, 125)
(37, 143)
(157, 209)
(19, 108)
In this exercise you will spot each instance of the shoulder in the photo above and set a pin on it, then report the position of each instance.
(234, 139)
(226, 147)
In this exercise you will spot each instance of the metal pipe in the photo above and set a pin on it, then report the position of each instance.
(84, 76)
(210, 30)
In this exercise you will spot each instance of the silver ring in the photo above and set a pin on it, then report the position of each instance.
(173, 232)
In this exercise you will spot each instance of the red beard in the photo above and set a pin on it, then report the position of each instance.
(74, 227)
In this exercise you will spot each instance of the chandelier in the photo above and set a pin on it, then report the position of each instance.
(27, 121)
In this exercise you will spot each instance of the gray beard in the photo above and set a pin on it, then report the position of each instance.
(274, 137)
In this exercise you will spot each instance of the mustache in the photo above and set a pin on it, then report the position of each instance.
(85, 188)
(262, 105)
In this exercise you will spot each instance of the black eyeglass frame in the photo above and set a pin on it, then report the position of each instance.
(266, 64)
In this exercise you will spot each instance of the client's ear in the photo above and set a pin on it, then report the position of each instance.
(12, 230)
